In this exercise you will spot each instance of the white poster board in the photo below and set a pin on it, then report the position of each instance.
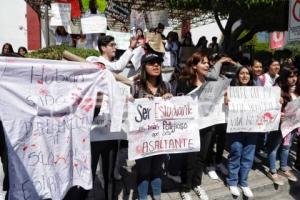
(211, 103)
(60, 14)
(291, 117)
(253, 109)
(121, 38)
(162, 126)
(93, 24)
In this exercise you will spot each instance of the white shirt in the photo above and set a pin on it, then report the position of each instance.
(118, 65)
(266, 80)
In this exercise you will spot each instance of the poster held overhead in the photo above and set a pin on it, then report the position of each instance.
(94, 24)
(60, 14)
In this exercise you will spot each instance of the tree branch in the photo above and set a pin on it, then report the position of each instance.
(248, 36)
(237, 32)
(219, 22)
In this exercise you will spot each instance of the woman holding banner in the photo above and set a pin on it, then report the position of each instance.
(150, 85)
(241, 145)
(192, 164)
(290, 90)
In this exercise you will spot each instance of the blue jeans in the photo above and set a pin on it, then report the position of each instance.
(149, 170)
(274, 141)
(241, 156)
(156, 189)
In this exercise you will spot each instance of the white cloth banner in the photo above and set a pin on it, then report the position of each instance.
(94, 24)
(47, 114)
(211, 102)
(60, 14)
(100, 129)
(291, 118)
(253, 109)
(162, 126)
(121, 38)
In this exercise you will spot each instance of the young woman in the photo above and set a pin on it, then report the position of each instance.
(257, 70)
(150, 85)
(268, 79)
(7, 49)
(193, 163)
(22, 51)
(290, 89)
(62, 36)
(140, 37)
(241, 145)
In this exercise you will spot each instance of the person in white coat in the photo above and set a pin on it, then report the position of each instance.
(108, 48)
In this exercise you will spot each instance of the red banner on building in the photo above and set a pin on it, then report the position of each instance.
(277, 39)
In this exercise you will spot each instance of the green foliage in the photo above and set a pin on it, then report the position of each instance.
(294, 47)
(251, 42)
(264, 46)
(100, 3)
(55, 52)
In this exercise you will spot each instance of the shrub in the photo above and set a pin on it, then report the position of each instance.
(55, 52)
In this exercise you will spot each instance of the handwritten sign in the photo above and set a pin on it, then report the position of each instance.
(162, 126)
(292, 117)
(93, 24)
(253, 109)
(121, 38)
(60, 14)
(211, 103)
(117, 12)
(47, 113)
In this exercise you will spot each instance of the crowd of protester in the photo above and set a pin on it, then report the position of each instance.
(204, 65)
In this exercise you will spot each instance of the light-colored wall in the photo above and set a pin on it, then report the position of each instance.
(13, 23)
(208, 31)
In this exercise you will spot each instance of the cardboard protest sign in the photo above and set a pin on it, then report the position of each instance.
(155, 42)
(100, 130)
(253, 109)
(291, 118)
(47, 114)
(162, 126)
(210, 102)
(93, 24)
(60, 14)
(121, 38)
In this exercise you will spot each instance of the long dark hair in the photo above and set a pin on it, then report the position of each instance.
(161, 86)
(236, 80)
(282, 82)
(188, 71)
(11, 50)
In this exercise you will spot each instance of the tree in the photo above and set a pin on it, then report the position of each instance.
(251, 16)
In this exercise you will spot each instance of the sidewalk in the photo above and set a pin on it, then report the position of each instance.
(263, 187)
